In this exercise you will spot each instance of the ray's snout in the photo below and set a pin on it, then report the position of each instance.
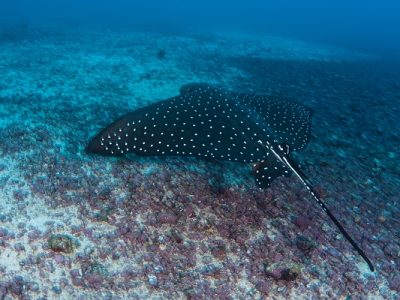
(94, 146)
(106, 142)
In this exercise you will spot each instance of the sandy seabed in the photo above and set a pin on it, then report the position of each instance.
(78, 226)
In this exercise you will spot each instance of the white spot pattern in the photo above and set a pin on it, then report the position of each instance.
(183, 126)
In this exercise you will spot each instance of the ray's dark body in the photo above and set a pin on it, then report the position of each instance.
(207, 122)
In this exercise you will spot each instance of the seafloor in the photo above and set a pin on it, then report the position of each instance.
(78, 226)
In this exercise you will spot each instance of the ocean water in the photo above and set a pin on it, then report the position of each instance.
(76, 225)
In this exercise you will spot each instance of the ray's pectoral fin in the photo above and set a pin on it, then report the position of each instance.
(189, 87)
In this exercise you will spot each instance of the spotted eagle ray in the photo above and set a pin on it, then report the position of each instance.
(210, 123)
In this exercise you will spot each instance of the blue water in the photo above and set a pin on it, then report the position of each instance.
(360, 24)
(74, 225)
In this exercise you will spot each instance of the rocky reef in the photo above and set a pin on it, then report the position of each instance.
(78, 226)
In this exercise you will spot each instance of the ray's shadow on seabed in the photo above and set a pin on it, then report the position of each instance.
(220, 175)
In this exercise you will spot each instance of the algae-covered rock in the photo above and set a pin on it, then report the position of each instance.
(104, 214)
(95, 268)
(94, 274)
(283, 271)
(62, 243)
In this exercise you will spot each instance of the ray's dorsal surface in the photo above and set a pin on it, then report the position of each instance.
(207, 122)
(204, 121)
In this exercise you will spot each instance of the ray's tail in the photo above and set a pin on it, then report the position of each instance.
(309, 186)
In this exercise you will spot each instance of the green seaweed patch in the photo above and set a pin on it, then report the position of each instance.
(62, 243)
(104, 214)
(95, 268)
